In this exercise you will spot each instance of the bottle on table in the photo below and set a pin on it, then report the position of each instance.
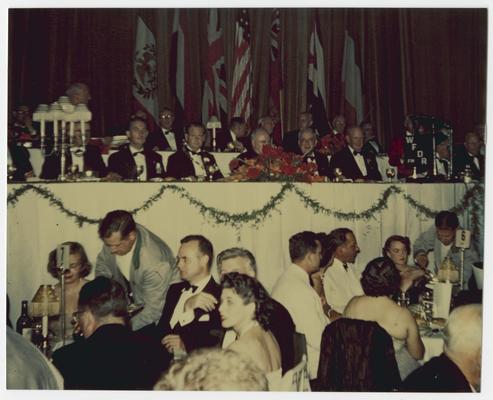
(24, 323)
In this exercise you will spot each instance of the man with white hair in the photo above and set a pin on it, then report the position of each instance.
(260, 137)
(78, 93)
(458, 368)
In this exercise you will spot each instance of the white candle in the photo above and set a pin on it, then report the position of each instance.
(71, 132)
(83, 131)
(44, 323)
(55, 131)
(43, 132)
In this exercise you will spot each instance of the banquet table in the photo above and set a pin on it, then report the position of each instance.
(258, 216)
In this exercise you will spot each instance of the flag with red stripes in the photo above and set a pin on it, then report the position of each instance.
(316, 91)
(144, 87)
(241, 94)
(214, 99)
(275, 76)
(351, 80)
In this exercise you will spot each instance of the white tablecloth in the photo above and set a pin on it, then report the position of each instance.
(34, 227)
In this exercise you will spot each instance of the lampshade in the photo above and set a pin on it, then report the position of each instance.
(45, 302)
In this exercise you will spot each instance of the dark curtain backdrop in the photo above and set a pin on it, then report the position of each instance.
(429, 61)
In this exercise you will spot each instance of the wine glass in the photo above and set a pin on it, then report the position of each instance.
(74, 170)
(390, 172)
(338, 174)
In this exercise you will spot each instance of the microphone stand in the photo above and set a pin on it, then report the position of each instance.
(61, 270)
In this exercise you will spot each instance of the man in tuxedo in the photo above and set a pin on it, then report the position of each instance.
(140, 261)
(307, 142)
(440, 239)
(85, 155)
(111, 357)
(281, 324)
(133, 160)
(341, 282)
(191, 160)
(78, 93)
(353, 164)
(164, 138)
(372, 144)
(458, 368)
(470, 155)
(290, 139)
(294, 291)
(259, 138)
(442, 154)
(238, 136)
(190, 318)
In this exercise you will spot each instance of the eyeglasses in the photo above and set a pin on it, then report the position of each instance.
(166, 116)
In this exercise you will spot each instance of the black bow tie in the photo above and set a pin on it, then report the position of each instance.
(345, 266)
(138, 152)
(189, 286)
(197, 153)
(355, 153)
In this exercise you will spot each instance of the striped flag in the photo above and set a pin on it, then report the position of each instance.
(351, 80)
(144, 88)
(241, 95)
(214, 99)
(316, 96)
(180, 71)
(275, 76)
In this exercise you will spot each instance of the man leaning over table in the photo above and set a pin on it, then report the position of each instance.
(440, 239)
(140, 261)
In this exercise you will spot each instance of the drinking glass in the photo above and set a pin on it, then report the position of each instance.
(390, 172)
(140, 171)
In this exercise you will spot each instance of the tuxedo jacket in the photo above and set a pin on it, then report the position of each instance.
(322, 163)
(344, 160)
(180, 165)
(290, 142)
(92, 161)
(123, 163)
(112, 358)
(20, 159)
(204, 331)
(462, 158)
(157, 139)
(440, 374)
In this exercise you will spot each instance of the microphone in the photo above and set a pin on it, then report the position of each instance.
(463, 238)
(63, 257)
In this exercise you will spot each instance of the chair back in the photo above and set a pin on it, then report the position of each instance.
(296, 379)
(357, 355)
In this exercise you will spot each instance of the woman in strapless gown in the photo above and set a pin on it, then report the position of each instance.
(380, 280)
(242, 309)
(79, 268)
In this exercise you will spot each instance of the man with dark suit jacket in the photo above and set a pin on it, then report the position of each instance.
(290, 139)
(111, 357)
(238, 138)
(470, 155)
(307, 142)
(280, 322)
(353, 164)
(133, 160)
(458, 368)
(190, 319)
(164, 137)
(191, 160)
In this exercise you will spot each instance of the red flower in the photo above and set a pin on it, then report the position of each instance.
(253, 173)
(288, 170)
(271, 151)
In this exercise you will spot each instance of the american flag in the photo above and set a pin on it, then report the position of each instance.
(214, 100)
(275, 75)
(241, 98)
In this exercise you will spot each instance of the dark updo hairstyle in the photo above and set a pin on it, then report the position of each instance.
(397, 238)
(250, 291)
(381, 278)
(328, 248)
(75, 248)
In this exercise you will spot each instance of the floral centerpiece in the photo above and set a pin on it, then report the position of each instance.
(273, 164)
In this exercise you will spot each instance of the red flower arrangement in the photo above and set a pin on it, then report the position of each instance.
(331, 143)
(274, 165)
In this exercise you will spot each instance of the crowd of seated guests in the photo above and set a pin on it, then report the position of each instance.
(184, 310)
(351, 149)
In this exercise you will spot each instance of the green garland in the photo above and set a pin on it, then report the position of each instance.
(472, 201)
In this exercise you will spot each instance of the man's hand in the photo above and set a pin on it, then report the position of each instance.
(422, 260)
(202, 300)
(173, 343)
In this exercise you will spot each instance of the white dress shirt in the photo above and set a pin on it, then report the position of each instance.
(140, 161)
(198, 163)
(233, 136)
(475, 159)
(294, 292)
(170, 137)
(360, 161)
(125, 262)
(179, 313)
(340, 285)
